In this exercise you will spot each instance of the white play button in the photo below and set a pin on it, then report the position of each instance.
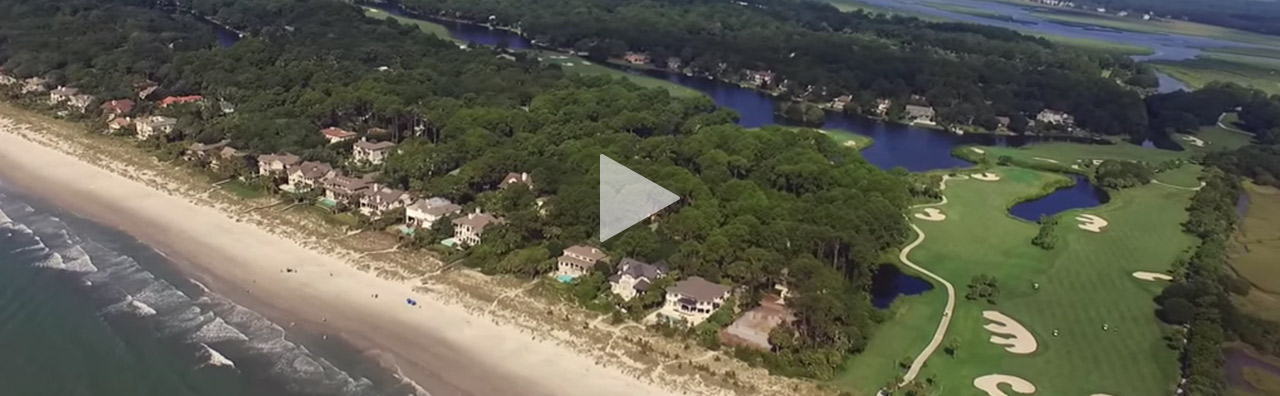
(626, 198)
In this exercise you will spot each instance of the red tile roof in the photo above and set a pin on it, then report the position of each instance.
(172, 100)
(122, 106)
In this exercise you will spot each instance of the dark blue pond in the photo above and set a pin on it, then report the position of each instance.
(889, 282)
(1081, 195)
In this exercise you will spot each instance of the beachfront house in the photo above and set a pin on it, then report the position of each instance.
(1055, 117)
(307, 176)
(919, 114)
(148, 127)
(276, 165)
(468, 229)
(425, 212)
(202, 152)
(692, 301)
(118, 124)
(345, 189)
(177, 100)
(374, 153)
(378, 203)
(577, 261)
(6, 79)
(633, 277)
(516, 178)
(335, 134)
(230, 158)
(62, 94)
(752, 329)
(117, 108)
(34, 85)
(145, 88)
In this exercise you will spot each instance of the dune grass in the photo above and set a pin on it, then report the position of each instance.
(1156, 26)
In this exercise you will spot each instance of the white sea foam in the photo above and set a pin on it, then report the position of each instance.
(214, 358)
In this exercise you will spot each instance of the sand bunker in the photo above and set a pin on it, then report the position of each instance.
(586, 63)
(1152, 276)
(568, 63)
(991, 384)
(1020, 341)
(978, 150)
(1047, 160)
(987, 176)
(1195, 141)
(931, 214)
(1092, 223)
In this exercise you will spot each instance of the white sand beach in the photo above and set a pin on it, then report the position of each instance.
(437, 344)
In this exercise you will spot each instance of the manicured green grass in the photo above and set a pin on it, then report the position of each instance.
(581, 66)
(1069, 153)
(427, 27)
(908, 328)
(1084, 283)
(851, 139)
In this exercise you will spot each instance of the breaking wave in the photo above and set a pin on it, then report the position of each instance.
(220, 332)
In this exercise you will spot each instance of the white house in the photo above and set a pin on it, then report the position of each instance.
(368, 152)
(1055, 117)
(62, 94)
(425, 212)
(468, 229)
(634, 277)
(919, 114)
(34, 84)
(148, 127)
(516, 178)
(692, 301)
(578, 260)
(345, 189)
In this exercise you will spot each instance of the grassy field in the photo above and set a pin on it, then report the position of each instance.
(1251, 71)
(1155, 26)
(581, 66)
(1256, 251)
(428, 27)
(1097, 45)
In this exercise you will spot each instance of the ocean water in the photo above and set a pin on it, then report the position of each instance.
(88, 310)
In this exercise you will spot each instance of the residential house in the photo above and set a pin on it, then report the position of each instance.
(468, 229)
(335, 134)
(118, 124)
(200, 151)
(145, 88)
(380, 202)
(840, 102)
(228, 157)
(307, 176)
(34, 85)
(1055, 117)
(636, 58)
(274, 165)
(516, 178)
(1002, 123)
(692, 301)
(578, 260)
(674, 63)
(760, 78)
(633, 277)
(368, 152)
(752, 329)
(152, 126)
(176, 100)
(345, 189)
(116, 108)
(882, 106)
(425, 212)
(62, 94)
(80, 102)
(919, 114)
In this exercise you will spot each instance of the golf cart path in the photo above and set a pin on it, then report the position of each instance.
(941, 331)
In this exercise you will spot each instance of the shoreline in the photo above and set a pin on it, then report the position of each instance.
(436, 344)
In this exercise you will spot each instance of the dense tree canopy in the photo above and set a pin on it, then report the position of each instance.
(970, 73)
(758, 207)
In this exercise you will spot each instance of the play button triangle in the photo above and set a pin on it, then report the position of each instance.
(626, 198)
